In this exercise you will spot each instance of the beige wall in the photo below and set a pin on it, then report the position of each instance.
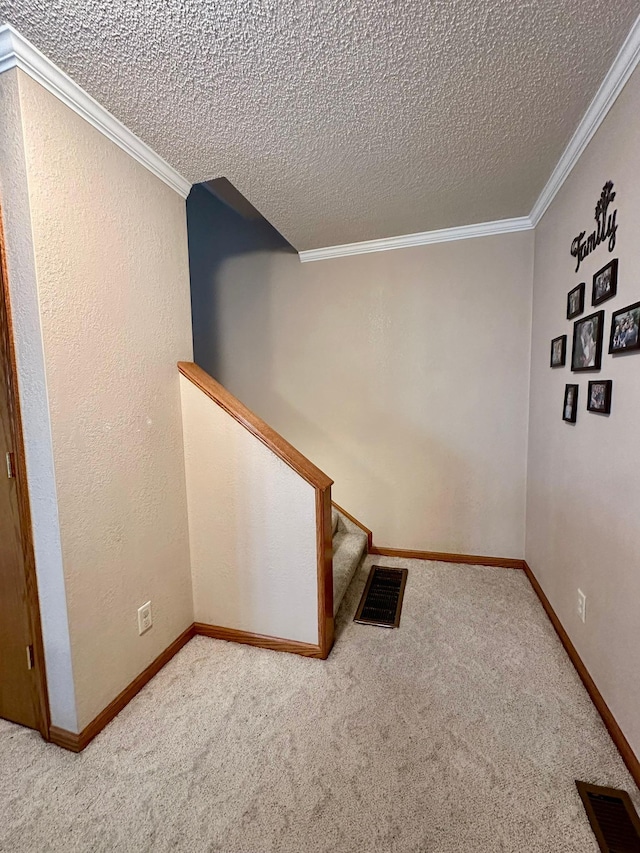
(403, 374)
(14, 197)
(109, 242)
(583, 490)
(252, 527)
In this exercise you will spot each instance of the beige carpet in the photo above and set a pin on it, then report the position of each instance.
(461, 731)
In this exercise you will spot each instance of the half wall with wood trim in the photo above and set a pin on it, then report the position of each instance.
(259, 526)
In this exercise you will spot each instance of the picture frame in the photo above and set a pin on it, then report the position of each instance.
(575, 301)
(570, 405)
(625, 330)
(558, 351)
(605, 283)
(599, 396)
(586, 353)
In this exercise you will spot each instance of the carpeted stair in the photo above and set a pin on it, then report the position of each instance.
(349, 547)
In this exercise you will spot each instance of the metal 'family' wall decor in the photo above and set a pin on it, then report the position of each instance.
(606, 228)
(588, 331)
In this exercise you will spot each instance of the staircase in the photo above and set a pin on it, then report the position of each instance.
(238, 497)
(349, 547)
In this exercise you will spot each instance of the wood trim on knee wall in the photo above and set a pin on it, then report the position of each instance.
(324, 547)
(357, 524)
(292, 457)
(262, 641)
(444, 557)
(622, 744)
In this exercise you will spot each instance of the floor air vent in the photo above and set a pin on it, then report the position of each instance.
(613, 818)
(381, 600)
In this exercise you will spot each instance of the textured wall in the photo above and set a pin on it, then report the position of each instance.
(252, 528)
(345, 120)
(216, 234)
(403, 375)
(583, 494)
(111, 257)
(14, 195)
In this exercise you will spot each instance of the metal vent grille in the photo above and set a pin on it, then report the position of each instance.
(613, 818)
(381, 600)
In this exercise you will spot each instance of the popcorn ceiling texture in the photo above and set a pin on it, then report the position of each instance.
(345, 120)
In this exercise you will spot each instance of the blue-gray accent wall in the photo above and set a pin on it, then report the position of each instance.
(217, 234)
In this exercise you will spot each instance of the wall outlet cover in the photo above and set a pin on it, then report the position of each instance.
(145, 618)
(582, 605)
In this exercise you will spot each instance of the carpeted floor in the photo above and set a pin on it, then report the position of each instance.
(463, 731)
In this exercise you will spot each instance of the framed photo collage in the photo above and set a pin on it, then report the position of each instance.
(622, 329)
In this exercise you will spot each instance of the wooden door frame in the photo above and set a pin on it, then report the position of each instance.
(26, 533)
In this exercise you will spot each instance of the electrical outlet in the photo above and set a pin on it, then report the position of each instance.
(145, 619)
(582, 605)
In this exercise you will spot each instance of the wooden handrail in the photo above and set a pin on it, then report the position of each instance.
(305, 469)
(262, 431)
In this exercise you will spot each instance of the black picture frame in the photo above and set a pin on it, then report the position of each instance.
(625, 331)
(599, 396)
(605, 283)
(586, 352)
(575, 301)
(558, 356)
(570, 404)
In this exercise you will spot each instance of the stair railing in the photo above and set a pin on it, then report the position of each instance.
(200, 436)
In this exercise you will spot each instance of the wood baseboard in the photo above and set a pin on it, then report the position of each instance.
(77, 742)
(438, 556)
(622, 744)
(358, 524)
(65, 739)
(261, 640)
(444, 557)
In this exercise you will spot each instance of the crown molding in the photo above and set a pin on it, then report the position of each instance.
(424, 238)
(622, 68)
(17, 52)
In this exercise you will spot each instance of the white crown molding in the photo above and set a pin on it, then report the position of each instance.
(17, 52)
(622, 68)
(424, 238)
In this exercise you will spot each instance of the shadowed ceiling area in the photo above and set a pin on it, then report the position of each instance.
(345, 120)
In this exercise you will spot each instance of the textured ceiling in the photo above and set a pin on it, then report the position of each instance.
(345, 120)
